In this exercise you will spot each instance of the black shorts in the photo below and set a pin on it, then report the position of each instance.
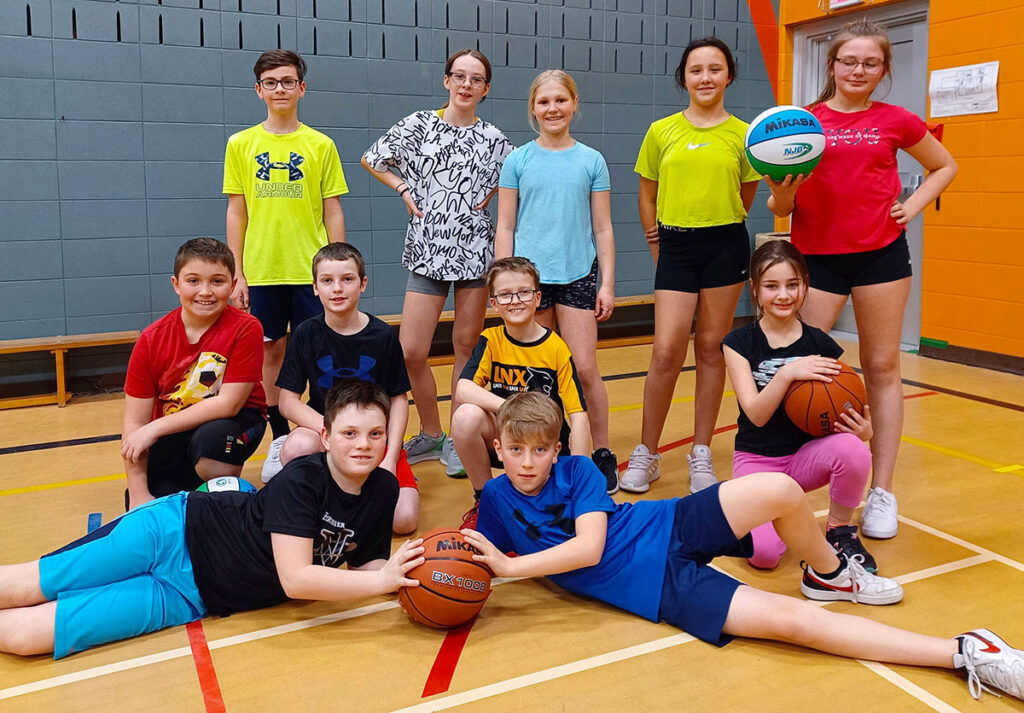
(695, 597)
(694, 259)
(581, 294)
(277, 306)
(840, 273)
(172, 459)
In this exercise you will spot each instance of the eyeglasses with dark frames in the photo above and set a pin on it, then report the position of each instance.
(506, 298)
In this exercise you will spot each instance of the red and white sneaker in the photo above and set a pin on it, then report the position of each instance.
(989, 661)
(469, 519)
(852, 584)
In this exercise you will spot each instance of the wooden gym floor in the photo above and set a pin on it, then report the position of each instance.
(959, 554)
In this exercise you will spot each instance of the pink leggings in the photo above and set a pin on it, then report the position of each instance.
(841, 460)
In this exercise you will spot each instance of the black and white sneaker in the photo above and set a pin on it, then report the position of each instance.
(989, 661)
(844, 540)
(852, 583)
(608, 464)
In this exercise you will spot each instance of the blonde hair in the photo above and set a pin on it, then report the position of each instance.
(851, 31)
(550, 75)
(529, 417)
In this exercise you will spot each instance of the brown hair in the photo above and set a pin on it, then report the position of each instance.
(529, 417)
(551, 75)
(475, 54)
(512, 264)
(347, 392)
(769, 255)
(340, 252)
(207, 250)
(279, 58)
(851, 31)
(730, 62)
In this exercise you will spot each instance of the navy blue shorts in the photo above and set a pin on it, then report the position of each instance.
(172, 459)
(580, 294)
(839, 274)
(277, 306)
(695, 259)
(695, 597)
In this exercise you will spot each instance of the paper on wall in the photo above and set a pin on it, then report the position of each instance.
(970, 89)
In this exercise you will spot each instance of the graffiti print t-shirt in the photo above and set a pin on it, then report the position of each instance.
(165, 367)
(778, 437)
(229, 533)
(449, 169)
(285, 179)
(319, 356)
(509, 366)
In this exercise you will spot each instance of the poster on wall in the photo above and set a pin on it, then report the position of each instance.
(970, 89)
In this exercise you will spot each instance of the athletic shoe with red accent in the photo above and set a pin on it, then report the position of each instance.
(987, 659)
(852, 584)
(469, 519)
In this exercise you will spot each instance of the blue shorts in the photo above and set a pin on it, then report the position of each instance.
(695, 597)
(580, 294)
(277, 306)
(127, 578)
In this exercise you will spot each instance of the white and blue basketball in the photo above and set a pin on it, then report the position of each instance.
(227, 484)
(785, 140)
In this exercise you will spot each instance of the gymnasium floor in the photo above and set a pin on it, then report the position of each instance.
(959, 555)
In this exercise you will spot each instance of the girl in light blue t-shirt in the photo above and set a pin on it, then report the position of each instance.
(555, 209)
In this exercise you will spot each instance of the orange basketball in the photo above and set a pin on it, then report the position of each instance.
(453, 588)
(815, 405)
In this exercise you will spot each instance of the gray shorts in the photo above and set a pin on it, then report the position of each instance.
(429, 286)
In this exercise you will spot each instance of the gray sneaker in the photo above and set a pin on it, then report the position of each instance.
(422, 447)
(702, 469)
(452, 463)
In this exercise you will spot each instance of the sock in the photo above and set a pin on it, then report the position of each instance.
(278, 423)
(833, 575)
(477, 493)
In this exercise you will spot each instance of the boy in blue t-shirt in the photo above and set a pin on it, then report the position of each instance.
(344, 343)
(652, 557)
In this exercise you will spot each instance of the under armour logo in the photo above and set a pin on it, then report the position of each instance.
(361, 372)
(294, 174)
(557, 511)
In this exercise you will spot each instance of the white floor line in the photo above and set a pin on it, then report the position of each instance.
(963, 543)
(942, 569)
(531, 679)
(910, 687)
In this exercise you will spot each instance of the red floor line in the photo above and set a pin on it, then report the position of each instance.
(440, 677)
(204, 668)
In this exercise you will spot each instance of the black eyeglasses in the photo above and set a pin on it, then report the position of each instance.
(476, 80)
(271, 84)
(506, 298)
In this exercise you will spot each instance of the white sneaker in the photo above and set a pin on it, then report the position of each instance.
(702, 469)
(879, 519)
(643, 469)
(272, 465)
(987, 659)
(852, 584)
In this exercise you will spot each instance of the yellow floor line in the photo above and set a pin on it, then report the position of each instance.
(62, 484)
(984, 462)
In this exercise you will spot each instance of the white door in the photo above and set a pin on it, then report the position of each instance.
(907, 24)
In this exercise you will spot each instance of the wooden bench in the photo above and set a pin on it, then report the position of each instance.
(58, 346)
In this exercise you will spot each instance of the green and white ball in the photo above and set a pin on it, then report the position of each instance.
(785, 140)
(227, 484)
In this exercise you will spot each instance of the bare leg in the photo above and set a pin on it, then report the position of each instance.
(19, 585)
(715, 313)
(28, 631)
(301, 441)
(420, 313)
(273, 357)
(207, 468)
(673, 318)
(473, 432)
(763, 615)
(579, 330)
(470, 310)
(879, 311)
(407, 511)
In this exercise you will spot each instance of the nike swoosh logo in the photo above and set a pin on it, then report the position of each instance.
(693, 146)
(990, 649)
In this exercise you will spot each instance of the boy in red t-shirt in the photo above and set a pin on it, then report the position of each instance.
(194, 405)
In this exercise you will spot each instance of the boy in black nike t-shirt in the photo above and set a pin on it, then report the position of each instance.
(177, 558)
(344, 343)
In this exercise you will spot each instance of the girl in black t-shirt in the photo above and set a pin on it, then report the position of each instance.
(763, 358)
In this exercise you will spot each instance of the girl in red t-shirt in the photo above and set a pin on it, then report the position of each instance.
(850, 225)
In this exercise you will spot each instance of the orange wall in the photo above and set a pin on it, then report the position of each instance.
(973, 281)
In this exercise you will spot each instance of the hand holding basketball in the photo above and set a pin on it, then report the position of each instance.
(499, 563)
(394, 572)
(785, 190)
(851, 421)
(811, 368)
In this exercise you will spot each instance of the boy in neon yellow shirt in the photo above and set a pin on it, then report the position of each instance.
(283, 180)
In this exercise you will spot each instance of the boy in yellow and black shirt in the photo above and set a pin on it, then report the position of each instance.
(519, 355)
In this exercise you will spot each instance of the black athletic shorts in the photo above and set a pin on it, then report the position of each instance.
(581, 294)
(172, 459)
(840, 273)
(694, 259)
